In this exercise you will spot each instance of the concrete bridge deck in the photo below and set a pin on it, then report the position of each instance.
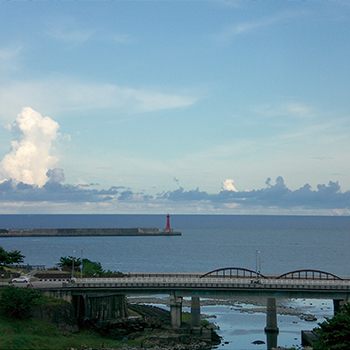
(215, 286)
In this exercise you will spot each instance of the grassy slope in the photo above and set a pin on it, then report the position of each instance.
(32, 334)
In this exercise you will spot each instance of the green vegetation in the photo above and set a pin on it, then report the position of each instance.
(66, 262)
(90, 268)
(334, 333)
(19, 331)
(10, 258)
(32, 334)
(16, 302)
(186, 317)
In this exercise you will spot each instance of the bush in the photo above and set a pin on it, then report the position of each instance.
(334, 333)
(17, 302)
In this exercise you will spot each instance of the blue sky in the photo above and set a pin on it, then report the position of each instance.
(227, 107)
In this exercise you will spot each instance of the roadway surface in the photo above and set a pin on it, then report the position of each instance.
(215, 286)
(208, 287)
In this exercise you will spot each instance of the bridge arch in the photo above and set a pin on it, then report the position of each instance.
(309, 274)
(233, 272)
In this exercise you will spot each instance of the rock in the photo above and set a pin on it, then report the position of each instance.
(308, 318)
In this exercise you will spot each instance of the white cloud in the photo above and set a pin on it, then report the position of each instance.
(227, 185)
(247, 27)
(30, 159)
(287, 109)
(69, 31)
(55, 95)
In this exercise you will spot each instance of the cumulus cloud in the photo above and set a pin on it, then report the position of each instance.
(55, 175)
(29, 159)
(227, 185)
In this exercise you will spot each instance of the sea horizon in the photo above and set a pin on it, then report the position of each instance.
(178, 221)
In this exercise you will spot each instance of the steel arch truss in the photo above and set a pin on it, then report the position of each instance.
(233, 272)
(309, 275)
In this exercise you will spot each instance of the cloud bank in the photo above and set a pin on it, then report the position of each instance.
(273, 196)
(277, 195)
(30, 175)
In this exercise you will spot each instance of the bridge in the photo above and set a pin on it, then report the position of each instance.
(104, 298)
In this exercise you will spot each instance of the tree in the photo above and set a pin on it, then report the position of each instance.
(67, 262)
(334, 333)
(17, 302)
(4, 259)
(92, 267)
(15, 257)
(12, 257)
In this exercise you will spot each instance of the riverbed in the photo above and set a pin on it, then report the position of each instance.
(240, 322)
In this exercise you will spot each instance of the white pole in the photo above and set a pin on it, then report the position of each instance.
(73, 264)
(81, 263)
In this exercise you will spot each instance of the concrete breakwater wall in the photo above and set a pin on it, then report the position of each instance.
(41, 232)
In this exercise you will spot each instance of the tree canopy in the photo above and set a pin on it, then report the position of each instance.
(11, 257)
(334, 333)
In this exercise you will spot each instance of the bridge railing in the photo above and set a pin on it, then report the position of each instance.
(174, 281)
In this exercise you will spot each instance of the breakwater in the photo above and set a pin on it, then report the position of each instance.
(41, 232)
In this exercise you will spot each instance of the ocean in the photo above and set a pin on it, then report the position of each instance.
(208, 242)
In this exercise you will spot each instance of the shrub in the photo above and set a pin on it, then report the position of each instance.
(16, 302)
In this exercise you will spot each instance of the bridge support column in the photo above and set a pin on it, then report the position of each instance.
(337, 305)
(175, 311)
(271, 316)
(195, 315)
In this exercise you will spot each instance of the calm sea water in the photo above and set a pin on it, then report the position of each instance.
(208, 242)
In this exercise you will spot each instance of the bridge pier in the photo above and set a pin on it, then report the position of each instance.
(271, 316)
(195, 314)
(101, 307)
(175, 311)
(338, 304)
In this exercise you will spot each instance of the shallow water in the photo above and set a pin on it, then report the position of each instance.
(239, 329)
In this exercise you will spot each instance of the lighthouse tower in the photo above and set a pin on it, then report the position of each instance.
(168, 228)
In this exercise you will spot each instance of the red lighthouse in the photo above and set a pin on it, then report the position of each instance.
(168, 228)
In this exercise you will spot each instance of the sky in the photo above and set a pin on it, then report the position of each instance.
(187, 107)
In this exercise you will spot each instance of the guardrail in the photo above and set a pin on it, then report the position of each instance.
(220, 283)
